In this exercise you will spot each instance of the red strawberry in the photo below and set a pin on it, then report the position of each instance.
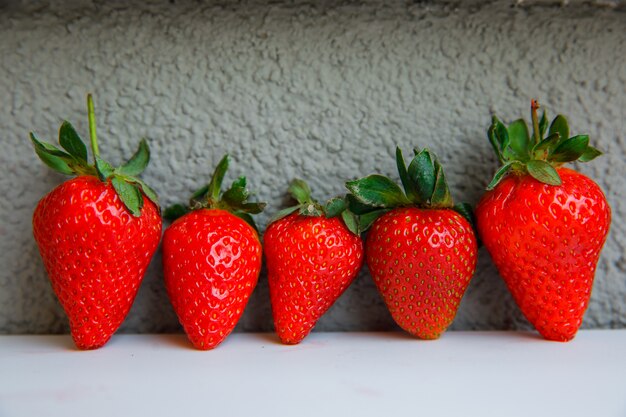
(544, 225)
(422, 251)
(212, 259)
(312, 258)
(96, 234)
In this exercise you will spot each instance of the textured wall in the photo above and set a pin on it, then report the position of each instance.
(312, 90)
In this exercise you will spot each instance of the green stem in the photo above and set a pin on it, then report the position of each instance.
(92, 127)
(534, 106)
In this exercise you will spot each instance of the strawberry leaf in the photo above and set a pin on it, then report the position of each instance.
(504, 169)
(367, 219)
(215, 185)
(72, 143)
(52, 156)
(350, 221)
(441, 194)
(570, 149)
(335, 206)
(544, 172)
(409, 185)
(237, 193)
(422, 174)
(200, 193)
(590, 154)
(300, 191)
(129, 194)
(103, 168)
(138, 162)
(356, 206)
(284, 213)
(543, 124)
(559, 125)
(519, 139)
(149, 192)
(378, 191)
(548, 144)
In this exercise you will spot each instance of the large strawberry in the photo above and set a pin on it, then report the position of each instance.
(313, 254)
(421, 251)
(96, 233)
(212, 259)
(544, 225)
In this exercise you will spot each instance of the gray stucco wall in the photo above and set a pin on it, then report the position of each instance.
(302, 89)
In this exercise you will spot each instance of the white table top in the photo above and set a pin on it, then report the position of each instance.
(503, 374)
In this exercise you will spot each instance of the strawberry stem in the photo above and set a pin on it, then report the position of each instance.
(92, 126)
(534, 106)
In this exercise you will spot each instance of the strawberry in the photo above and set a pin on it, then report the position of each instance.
(544, 225)
(421, 249)
(212, 259)
(96, 233)
(312, 258)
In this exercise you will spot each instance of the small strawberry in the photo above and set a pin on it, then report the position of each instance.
(312, 258)
(544, 225)
(421, 250)
(96, 233)
(212, 259)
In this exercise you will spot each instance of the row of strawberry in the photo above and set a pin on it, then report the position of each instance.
(544, 226)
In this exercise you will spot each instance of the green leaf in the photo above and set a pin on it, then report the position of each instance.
(504, 169)
(466, 211)
(71, 142)
(311, 209)
(218, 177)
(367, 219)
(200, 194)
(441, 194)
(543, 172)
(175, 211)
(590, 154)
(129, 194)
(519, 139)
(548, 144)
(251, 208)
(570, 149)
(495, 143)
(356, 206)
(104, 169)
(559, 125)
(335, 206)
(52, 156)
(300, 191)
(378, 191)
(501, 134)
(148, 191)
(284, 213)
(351, 221)
(138, 162)
(422, 174)
(543, 124)
(407, 183)
(237, 194)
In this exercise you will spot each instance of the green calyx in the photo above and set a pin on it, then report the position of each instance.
(307, 206)
(233, 200)
(72, 160)
(424, 185)
(539, 155)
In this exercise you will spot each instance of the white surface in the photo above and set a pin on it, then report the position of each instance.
(465, 374)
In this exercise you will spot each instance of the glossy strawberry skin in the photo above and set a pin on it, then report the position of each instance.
(95, 253)
(422, 261)
(311, 261)
(211, 263)
(545, 241)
